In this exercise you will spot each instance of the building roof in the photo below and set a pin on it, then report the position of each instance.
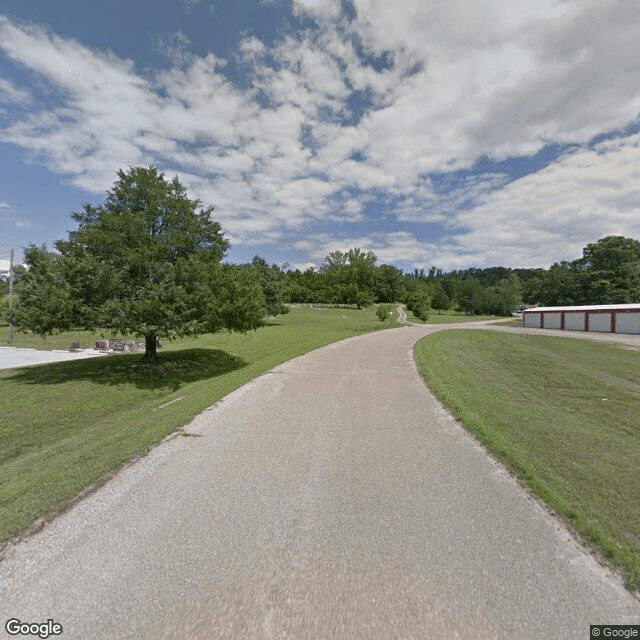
(590, 307)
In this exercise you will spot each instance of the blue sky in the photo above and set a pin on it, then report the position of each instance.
(455, 134)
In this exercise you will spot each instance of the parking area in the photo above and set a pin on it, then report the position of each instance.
(12, 357)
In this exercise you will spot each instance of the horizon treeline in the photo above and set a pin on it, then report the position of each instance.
(607, 273)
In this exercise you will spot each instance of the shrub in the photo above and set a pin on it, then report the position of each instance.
(421, 311)
(383, 312)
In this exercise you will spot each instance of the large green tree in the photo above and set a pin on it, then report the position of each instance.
(146, 262)
(388, 284)
(609, 271)
(271, 279)
(350, 277)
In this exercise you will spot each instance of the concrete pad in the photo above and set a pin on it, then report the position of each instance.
(12, 357)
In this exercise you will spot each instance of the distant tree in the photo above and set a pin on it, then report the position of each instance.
(388, 284)
(45, 302)
(609, 271)
(440, 300)
(383, 311)
(508, 296)
(146, 262)
(350, 277)
(272, 282)
(531, 280)
(419, 301)
(558, 286)
(361, 276)
(316, 284)
(472, 296)
(451, 286)
(293, 289)
(4, 308)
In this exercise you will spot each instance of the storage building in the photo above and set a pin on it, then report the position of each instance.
(606, 318)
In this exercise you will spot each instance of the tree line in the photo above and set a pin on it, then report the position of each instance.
(607, 273)
(149, 262)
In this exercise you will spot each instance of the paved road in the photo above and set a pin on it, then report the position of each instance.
(330, 498)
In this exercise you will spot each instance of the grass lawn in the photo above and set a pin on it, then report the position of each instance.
(513, 322)
(64, 426)
(562, 414)
(447, 317)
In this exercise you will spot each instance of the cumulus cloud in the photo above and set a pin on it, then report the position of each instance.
(251, 49)
(388, 247)
(552, 214)
(318, 9)
(394, 102)
(174, 46)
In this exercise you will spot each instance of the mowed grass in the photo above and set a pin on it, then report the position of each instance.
(514, 322)
(447, 317)
(66, 426)
(562, 414)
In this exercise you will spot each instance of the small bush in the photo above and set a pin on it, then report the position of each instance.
(421, 311)
(383, 312)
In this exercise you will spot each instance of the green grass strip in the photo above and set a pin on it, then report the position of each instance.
(449, 317)
(65, 426)
(562, 415)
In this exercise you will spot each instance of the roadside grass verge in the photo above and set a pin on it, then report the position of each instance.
(562, 415)
(449, 317)
(59, 341)
(513, 322)
(66, 426)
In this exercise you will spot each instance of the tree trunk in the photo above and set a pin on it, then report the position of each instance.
(150, 354)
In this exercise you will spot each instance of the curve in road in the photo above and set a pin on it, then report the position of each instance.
(331, 498)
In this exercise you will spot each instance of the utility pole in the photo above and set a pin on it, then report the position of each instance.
(10, 334)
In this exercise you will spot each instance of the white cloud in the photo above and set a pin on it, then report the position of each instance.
(302, 266)
(7, 213)
(423, 204)
(174, 46)
(189, 5)
(10, 93)
(531, 222)
(251, 48)
(399, 246)
(456, 81)
(319, 9)
(552, 214)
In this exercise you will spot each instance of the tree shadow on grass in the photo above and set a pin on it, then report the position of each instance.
(173, 369)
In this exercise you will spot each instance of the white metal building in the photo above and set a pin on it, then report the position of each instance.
(606, 318)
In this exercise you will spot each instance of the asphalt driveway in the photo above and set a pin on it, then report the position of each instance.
(331, 498)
